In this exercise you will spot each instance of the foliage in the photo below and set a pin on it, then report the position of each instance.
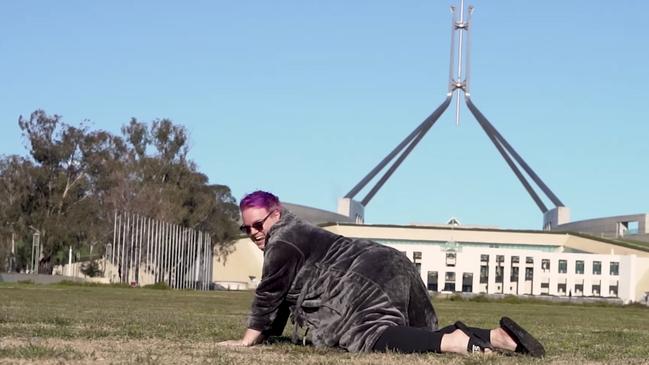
(75, 178)
(91, 269)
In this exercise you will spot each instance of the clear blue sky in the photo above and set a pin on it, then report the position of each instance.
(303, 98)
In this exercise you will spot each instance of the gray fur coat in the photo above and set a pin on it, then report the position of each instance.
(345, 292)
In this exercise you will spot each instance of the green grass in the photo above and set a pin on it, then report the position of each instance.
(85, 324)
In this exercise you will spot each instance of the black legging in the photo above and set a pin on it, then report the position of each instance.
(411, 339)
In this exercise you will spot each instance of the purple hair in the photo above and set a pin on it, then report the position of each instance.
(260, 199)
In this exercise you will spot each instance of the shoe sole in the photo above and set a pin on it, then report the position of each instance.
(523, 339)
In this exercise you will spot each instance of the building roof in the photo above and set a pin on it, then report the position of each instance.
(315, 215)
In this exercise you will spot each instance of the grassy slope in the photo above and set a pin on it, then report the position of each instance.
(79, 324)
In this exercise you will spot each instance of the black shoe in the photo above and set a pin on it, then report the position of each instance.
(525, 343)
(476, 344)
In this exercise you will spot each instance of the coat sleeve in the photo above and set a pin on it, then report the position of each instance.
(281, 263)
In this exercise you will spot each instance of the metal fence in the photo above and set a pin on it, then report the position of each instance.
(147, 251)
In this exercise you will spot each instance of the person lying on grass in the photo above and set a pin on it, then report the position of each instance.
(353, 294)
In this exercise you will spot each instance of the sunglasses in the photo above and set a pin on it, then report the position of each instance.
(258, 225)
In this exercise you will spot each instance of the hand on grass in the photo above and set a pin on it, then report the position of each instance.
(232, 343)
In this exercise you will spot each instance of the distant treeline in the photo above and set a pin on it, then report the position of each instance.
(74, 179)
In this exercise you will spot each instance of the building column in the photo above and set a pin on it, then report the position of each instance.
(521, 276)
(571, 273)
(491, 283)
(588, 277)
(554, 276)
(536, 281)
(506, 274)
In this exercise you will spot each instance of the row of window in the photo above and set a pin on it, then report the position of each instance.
(484, 274)
(596, 267)
(595, 289)
(467, 284)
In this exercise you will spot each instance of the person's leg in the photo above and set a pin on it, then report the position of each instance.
(416, 340)
(408, 340)
(510, 337)
(482, 333)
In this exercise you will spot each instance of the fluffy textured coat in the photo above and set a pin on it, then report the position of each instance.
(345, 292)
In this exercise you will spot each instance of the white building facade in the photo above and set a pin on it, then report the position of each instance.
(526, 270)
(454, 258)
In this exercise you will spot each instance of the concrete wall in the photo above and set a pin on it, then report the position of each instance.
(35, 278)
(608, 227)
(239, 267)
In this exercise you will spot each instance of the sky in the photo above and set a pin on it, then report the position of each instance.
(304, 98)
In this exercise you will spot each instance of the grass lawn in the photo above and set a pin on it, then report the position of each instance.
(91, 324)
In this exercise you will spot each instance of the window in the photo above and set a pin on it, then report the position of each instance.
(450, 276)
(615, 268)
(514, 274)
(529, 273)
(515, 259)
(500, 259)
(529, 260)
(563, 266)
(484, 258)
(612, 290)
(450, 259)
(499, 274)
(579, 289)
(597, 267)
(545, 288)
(484, 274)
(416, 258)
(432, 280)
(579, 267)
(467, 282)
(596, 290)
(545, 265)
(449, 284)
(561, 288)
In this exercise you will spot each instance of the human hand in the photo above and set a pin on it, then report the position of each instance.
(232, 343)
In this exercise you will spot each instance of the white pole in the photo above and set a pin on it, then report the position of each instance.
(139, 251)
(149, 259)
(166, 254)
(194, 262)
(197, 259)
(118, 243)
(175, 255)
(69, 270)
(156, 256)
(182, 246)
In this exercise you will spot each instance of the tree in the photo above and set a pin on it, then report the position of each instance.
(15, 189)
(57, 208)
(77, 178)
(168, 186)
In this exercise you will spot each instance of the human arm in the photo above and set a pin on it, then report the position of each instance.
(269, 312)
(269, 309)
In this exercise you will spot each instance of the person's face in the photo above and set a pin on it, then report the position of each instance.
(257, 222)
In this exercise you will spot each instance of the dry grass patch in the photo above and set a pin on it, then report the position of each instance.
(88, 325)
